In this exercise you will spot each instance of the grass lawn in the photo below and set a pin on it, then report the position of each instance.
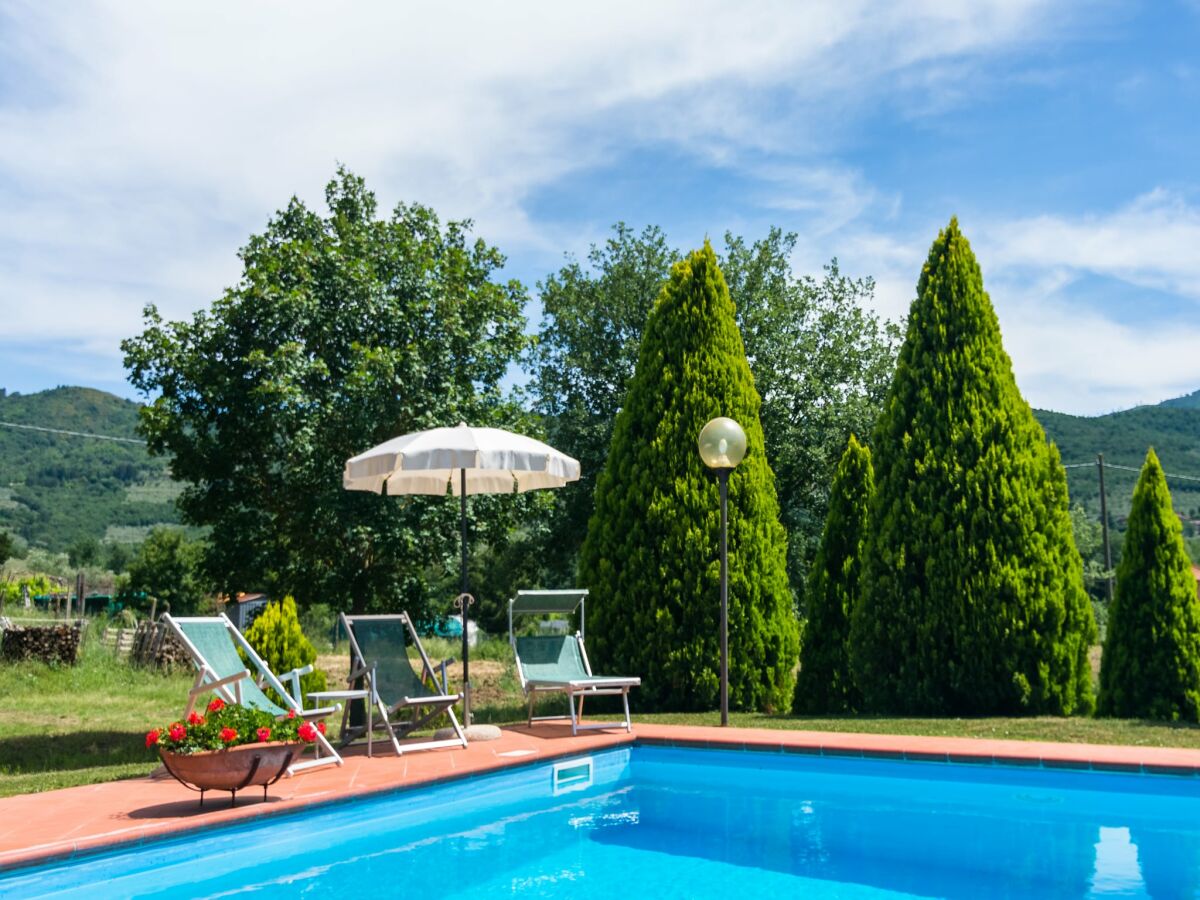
(67, 725)
(1075, 730)
(64, 726)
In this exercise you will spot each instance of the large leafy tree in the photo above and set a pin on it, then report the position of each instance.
(650, 556)
(821, 362)
(973, 598)
(168, 566)
(1151, 663)
(825, 683)
(345, 329)
(592, 325)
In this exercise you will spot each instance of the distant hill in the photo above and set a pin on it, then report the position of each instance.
(57, 489)
(1172, 429)
(1190, 401)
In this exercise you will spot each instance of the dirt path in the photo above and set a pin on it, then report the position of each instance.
(494, 682)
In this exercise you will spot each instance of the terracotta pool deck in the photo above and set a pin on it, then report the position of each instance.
(60, 824)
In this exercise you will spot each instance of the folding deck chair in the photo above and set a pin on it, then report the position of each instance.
(559, 663)
(379, 660)
(213, 643)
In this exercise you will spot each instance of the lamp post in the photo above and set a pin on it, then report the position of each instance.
(722, 447)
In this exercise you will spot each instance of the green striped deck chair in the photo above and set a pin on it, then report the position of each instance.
(213, 642)
(402, 698)
(548, 663)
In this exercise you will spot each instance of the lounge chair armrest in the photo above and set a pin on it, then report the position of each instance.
(209, 686)
(443, 682)
(294, 677)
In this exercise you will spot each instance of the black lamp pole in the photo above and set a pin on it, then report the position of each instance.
(723, 480)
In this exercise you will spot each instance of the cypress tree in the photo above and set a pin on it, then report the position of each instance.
(972, 598)
(650, 558)
(825, 684)
(1151, 663)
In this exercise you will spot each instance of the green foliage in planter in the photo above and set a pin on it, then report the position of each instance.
(1151, 663)
(650, 557)
(277, 637)
(825, 683)
(973, 599)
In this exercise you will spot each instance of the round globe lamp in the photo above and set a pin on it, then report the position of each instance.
(722, 443)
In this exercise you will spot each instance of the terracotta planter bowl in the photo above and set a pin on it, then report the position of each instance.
(232, 769)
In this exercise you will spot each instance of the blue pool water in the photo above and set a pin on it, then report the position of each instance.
(662, 823)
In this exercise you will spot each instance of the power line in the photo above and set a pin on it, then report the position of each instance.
(99, 437)
(1109, 465)
(1167, 474)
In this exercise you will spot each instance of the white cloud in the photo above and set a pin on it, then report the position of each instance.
(1077, 361)
(1068, 354)
(139, 131)
(142, 143)
(1151, 243)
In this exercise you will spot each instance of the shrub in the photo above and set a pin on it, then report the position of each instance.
(650, 557)
(277, 637)
(1151, 663)
(973, 599)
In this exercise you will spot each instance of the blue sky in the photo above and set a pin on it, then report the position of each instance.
(140, 144)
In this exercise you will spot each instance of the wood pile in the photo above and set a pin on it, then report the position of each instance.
(156, 646)
(47, 643)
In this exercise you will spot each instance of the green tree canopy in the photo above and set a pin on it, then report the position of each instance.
(587, 348)
(169, 566)
(972, 599)
(825, 683)
(821, 363)
(1151, 663)
(650, 558)
(344, 330)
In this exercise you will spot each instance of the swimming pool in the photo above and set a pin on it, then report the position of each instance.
(662, 822)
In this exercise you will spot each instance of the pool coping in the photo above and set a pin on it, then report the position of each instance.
(533, 746)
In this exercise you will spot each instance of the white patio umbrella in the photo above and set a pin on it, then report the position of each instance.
(461, 460)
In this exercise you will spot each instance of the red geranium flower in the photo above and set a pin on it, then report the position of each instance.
(228, 735)
(307, 732)
(152, 737)
(264, 734)
(291, 714)
(321, 727)
(177, 732)
(194, 718)
(216, 705)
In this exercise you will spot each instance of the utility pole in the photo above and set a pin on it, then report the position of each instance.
(1104, 527)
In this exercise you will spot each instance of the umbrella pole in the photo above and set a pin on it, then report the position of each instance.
(466, 601)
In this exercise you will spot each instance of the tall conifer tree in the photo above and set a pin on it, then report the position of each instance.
(973, 598)
(650, 557)
(1151, 663)
(825, 684)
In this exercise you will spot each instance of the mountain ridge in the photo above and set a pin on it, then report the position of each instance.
(56, 489)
